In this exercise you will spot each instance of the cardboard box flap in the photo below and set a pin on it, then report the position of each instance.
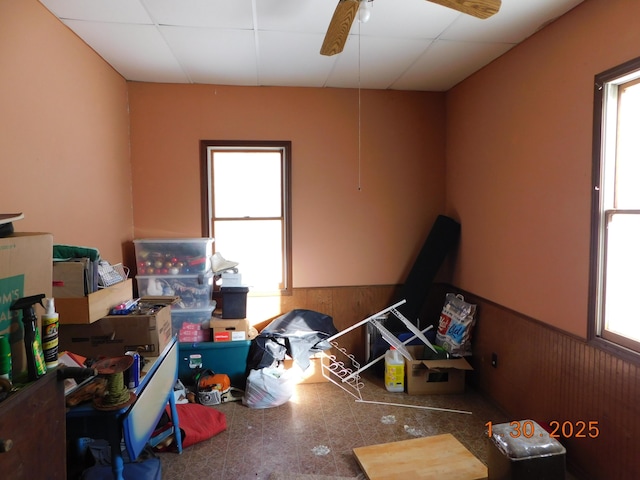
(457, 363)
(70, 279)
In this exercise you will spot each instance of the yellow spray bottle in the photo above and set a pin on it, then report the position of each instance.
(50, 320)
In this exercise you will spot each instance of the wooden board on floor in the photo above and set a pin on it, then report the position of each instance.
(438, 457)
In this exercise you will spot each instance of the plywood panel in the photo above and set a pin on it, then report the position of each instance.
(428, 458)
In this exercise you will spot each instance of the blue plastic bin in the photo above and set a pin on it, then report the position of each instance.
(221, 357)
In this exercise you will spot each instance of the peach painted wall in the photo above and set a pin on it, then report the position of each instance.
(64, 133)
(341, 235)
(519, 161)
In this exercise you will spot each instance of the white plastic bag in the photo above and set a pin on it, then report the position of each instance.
(456, 323)
(269, 387)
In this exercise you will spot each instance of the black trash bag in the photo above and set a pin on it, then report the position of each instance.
(300, 332)
(265, 351)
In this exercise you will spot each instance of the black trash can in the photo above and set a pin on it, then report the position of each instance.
(523, 450)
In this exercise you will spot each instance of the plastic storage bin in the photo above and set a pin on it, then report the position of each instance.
(192, 325)
(221, 357)
(523, 450)
(177, 256)
(234, 302)
(195, 291)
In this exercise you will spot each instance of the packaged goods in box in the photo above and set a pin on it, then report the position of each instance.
(234, 302)
(230, 330)
(229, 358)
(173, 256)
(434, 376)
(195, 291)
(25, 270)
(528, 453)
(231, 279)
(192, 325)
(116, 334)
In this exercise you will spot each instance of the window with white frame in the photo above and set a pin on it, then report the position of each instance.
(246, 205)
(615, 269)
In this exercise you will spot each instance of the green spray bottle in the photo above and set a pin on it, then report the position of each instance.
(35, 356)
(5, 357)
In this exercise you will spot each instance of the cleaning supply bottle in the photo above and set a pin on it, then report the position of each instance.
(393, 370)
(33, 346)
(50, 320)
(5, 357)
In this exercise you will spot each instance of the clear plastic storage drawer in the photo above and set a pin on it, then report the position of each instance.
(195, 291)
(177, 256)
(192, 325)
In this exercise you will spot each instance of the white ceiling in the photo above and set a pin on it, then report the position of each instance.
(406, 45)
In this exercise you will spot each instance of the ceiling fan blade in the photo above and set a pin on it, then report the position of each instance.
(476, 8)
(339, 27)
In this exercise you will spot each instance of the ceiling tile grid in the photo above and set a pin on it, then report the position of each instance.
(406, 44)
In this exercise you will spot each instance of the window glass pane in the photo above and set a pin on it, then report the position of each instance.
(247, 184)
(257, 246)
(628, 148)
(622, 282)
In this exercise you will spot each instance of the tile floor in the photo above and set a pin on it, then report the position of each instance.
(316, 431)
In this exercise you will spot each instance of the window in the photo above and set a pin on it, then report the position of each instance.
(246, 204)
(615, 269)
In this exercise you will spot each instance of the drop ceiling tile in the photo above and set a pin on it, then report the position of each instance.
(446, 63)
(515, 21)
(374, 63)
(137, 52)
(406, 19)
(225, 57)
(121, 11)
(202, 13)
(308, 16)
(292, 59)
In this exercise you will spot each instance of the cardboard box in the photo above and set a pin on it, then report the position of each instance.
(25, 270)
(313, 374)
(70, 278)
(230, 330)
(116, 334)
(92, 307)
(231, 279)
(426, 377)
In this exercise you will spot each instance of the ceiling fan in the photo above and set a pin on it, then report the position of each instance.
(346, 11)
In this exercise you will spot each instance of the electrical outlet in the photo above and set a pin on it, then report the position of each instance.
(494, 360)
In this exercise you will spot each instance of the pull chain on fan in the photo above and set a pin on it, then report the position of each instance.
(359, 118)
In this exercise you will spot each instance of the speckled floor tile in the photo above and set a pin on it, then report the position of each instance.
(317, 430)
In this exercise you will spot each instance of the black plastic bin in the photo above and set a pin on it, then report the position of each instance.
(523, 450)
(234, 302)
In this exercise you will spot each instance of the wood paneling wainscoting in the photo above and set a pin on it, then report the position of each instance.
(548, 375)
(543, 373)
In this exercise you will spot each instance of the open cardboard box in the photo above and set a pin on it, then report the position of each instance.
(426, 377)
(114, 335)
(313, 374)
(90, 308)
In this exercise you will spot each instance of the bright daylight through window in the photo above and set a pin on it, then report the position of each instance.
(248, 211)
(615, 279)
